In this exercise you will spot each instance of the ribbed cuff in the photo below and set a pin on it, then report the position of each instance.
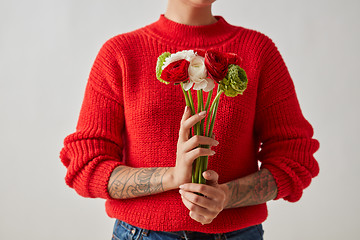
(98, 180)
(282, 179)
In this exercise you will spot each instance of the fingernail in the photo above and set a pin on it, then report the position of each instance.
(181, 186)
(203, 113)
(181, 191)
(212, 152)
(216, 143)
(186, 108)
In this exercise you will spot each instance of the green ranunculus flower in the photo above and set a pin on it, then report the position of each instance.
(235, 81)
(159, 64)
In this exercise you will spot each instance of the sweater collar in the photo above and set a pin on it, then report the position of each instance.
(191, 36)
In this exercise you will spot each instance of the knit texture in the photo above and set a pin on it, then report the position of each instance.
(129, 117)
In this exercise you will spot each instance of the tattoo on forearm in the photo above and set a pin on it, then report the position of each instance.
(257, 188)
(128, 182)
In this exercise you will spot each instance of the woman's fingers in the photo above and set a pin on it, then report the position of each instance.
(196, 140)
(196, 199)
(186, 114)
(187, 122)
(209, 191)
(199, 218)
(198, 213)
(197, 152)
(184, 132)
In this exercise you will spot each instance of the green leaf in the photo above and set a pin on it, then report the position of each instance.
(159, 64)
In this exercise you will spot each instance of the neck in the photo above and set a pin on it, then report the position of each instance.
(183, 13)
(190, 36)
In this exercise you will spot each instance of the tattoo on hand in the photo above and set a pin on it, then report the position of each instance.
(257, 188)
(128, 182)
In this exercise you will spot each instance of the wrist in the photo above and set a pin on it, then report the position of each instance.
(169, 180)
(227, 192)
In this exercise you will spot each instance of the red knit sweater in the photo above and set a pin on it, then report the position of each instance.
(129, 117)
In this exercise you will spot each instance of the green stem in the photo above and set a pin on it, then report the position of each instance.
(219, 92)
(202, 158)
(191, 102)
(185, 95)
(201, 103)
(206, 109)
(204, 166)
(194, 175)
(214, 111)
(198, 132)
(208, 100)
(188, 103)
(210, 124)
(198, 100)
(213, 116)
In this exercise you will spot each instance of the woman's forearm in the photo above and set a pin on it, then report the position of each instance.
(127, 182)
(254, 189)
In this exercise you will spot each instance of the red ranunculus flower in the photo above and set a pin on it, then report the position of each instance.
(200, 52)
(234, 59)
(216, 64)
(176, 72)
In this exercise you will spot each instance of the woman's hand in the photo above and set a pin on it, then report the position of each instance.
(187, 149)
(205, 208)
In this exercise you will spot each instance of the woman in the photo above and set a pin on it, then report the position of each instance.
(132, 144)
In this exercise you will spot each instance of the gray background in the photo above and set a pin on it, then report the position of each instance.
(46, 52)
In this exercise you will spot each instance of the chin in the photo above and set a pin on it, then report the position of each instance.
(199, 3)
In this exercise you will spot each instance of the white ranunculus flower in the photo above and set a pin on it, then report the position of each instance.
(207, 85)
(186, 54)
(200, 85)
(210, 85)
(198, 75)
(187, 85)
(197, 69)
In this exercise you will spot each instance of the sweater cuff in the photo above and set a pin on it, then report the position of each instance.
(282, 179)
(98, 180)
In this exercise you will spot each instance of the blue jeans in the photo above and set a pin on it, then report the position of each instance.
(125, 231)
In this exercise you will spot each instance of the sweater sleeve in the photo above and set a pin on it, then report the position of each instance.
(94, 150)
(286, 137)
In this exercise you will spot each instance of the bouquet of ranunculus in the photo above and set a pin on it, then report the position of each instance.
(200, 70)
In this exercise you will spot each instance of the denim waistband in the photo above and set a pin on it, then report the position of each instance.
(195, 234)
(253, 230)
(183, 234)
